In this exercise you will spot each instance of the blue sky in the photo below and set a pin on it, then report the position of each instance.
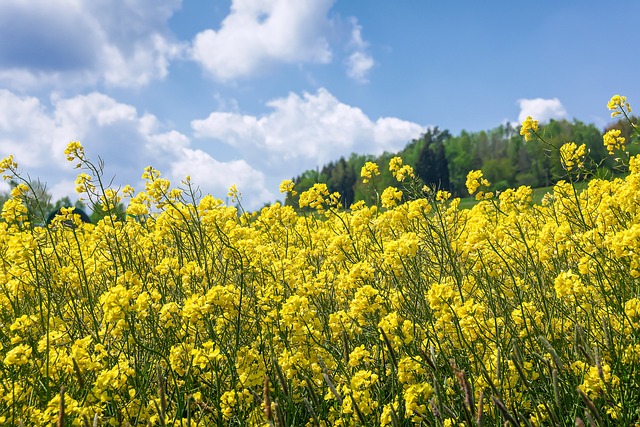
(250, 92)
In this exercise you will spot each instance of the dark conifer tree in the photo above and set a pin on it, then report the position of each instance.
(432, 166)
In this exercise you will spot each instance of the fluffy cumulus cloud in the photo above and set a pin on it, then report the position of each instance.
(207, 172)
(302, 132)
(259, 32)
(85, 42)
(124, 139)
(358, 66)
(541, 109)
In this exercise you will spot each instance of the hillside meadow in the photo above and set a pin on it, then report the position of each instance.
(409, 311)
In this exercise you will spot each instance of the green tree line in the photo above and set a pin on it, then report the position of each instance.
(441, 160)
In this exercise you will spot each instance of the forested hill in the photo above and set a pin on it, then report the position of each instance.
(442, 160)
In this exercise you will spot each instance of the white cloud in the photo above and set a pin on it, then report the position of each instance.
(202, 168)
(77, 43)
(359, 62)
(74, 42)
(125, 140)
(356, 35)
(259, 32)
(541, 109)
(358, 66)
(26, 129)
(303, 132)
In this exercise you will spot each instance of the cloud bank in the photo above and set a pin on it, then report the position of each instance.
(298, 133)
(126, 140)
(303, 132)
(129, 44)
(74, 42)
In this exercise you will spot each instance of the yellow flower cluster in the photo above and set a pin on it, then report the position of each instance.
(613, 141)
(8, 164)
(400, 171)
(475, 180)
(415, 312)
(318, 197)
(369, 171)
(286, 186)
(619, 105)
(572, 155)
(529, 128)
(74, 151)
(390, 197)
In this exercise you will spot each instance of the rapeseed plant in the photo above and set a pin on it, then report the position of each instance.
(410, 311)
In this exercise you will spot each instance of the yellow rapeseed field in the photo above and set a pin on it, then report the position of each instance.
(412, 311)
